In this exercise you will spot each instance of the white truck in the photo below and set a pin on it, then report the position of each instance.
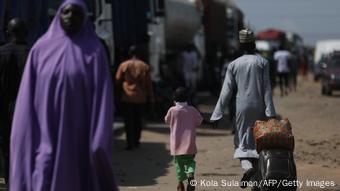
(322, 49)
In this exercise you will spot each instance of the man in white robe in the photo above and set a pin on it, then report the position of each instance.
(248, 78)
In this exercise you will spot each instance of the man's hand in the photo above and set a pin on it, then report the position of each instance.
(210, 124)
(214, 124)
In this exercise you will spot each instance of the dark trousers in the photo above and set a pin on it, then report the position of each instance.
(293, 77)
(6, 112)
(133, 114)
(4, 146)
(284, 82)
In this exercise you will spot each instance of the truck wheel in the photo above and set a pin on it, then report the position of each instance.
(328, 91)
(323, 91)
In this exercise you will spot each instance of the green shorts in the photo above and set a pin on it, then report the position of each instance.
(185, 164)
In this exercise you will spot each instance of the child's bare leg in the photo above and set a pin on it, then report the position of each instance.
(180, 186)
(191, 165)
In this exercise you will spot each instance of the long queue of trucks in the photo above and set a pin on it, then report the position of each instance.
(162, 27)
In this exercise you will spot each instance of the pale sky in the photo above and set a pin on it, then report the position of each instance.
(313, 19)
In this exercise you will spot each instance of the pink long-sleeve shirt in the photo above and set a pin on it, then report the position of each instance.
(183, 120)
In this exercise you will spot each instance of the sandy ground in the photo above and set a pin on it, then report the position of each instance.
(315, 121)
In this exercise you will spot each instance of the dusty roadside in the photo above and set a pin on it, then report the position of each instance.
(316, 126)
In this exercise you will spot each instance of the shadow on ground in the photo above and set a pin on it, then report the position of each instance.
(142, 166)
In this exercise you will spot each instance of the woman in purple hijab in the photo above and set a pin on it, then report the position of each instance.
(61, 134)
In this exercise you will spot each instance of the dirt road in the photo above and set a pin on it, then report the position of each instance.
(316, 126)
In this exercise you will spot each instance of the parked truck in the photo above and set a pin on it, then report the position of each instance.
(222, 20)
(161, 27)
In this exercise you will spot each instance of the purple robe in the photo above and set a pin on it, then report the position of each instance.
(62, 127)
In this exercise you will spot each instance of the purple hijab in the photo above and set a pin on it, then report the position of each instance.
(62, 127)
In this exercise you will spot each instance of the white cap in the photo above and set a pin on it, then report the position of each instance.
(246, 36)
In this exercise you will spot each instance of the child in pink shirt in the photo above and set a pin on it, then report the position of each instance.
(183, 120)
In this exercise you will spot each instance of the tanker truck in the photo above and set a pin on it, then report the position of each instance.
(174, 24)
(211, 25)
(162, 27)
(222, 20)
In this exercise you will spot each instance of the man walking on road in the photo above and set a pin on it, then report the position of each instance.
(133, 76)
(248, 78)
(283, 57)
(190, 68)
(12, 60)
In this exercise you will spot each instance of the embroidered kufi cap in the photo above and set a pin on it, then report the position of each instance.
(246, 36)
